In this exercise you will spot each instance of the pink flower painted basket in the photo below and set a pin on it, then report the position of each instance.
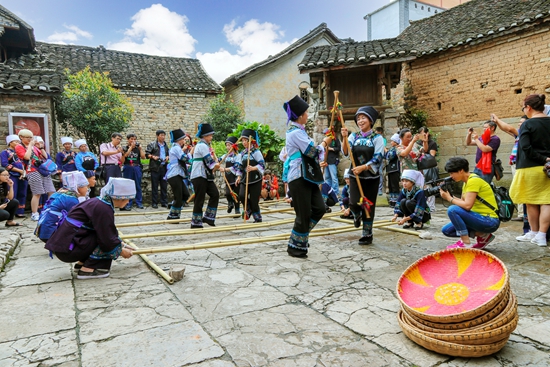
(453, 285)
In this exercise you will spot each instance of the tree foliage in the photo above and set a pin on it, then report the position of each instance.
(413, 119)
(224, 116)
(92, 107)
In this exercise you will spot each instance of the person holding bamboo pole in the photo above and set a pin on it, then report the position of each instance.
(231, 187)
(88, 233)
(307, 200)
(202, 177)
(176, 172)
(249, 168)
(367, 149)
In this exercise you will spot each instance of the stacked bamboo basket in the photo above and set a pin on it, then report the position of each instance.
(457, 302)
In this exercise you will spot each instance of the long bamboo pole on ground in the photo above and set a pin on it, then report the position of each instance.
(186, 220)
(132, 213)
(148, 261)
(231, 242)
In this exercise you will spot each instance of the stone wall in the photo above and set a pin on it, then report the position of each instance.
(167, 111)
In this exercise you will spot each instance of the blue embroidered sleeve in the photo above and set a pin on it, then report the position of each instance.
(421, 207)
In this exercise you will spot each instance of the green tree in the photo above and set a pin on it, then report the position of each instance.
(413, 119)
(92, 107)
(224, 116)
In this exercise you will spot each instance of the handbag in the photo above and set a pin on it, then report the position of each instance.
(426, 161)
(311, 171)
(499, 170)
(47, 167)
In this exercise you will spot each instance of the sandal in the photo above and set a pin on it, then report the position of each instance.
(14, 224)
(20, 216)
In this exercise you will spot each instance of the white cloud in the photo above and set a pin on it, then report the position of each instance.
(72, 35)
(255, 42)
(157, 31)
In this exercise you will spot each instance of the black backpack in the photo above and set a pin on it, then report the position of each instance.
(505, 205)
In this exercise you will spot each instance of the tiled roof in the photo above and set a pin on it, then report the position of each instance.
(9, 20)
(43, 70)
(473, 21)
(322, 28)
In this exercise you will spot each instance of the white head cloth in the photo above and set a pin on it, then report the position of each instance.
(119, 188)
(346, 173)
(395, 138)
(66, 139)
(73, 180)
(80, 142)
(11, 138)
(39, 139)
(414, 176)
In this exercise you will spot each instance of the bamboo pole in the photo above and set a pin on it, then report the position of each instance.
(333, 113)
(185, 220)
(129, 214)
(231, 242)
(401, 230)
(148, 261)
(245, 209)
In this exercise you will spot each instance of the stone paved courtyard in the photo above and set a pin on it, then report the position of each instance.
(249, 305)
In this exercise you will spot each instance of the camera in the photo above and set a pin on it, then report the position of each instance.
(137, 143)
(444, 184)
(546, 169)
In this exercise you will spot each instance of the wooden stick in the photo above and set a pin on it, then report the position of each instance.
(245, 209)
(333, 112)
(151, 264)
(350, 152)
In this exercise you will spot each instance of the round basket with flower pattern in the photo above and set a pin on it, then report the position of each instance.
(453, 285)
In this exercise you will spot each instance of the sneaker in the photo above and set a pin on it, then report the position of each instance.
(35, 216)
(154, 206)
(539, 241)
(527, 237)
(92, 275)
(483, 241)
(458, 244)
(427, 224)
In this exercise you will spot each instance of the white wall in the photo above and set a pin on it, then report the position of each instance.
(419, 11)
(265, 90)
(385, 23)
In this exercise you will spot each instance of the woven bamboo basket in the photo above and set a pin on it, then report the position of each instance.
(453, 286)
(448, 348)
(472, 337)
(488, 317)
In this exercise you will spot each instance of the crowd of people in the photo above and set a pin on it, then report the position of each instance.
(67, 217)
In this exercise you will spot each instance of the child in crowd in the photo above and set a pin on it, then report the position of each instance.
(329, 196)
(393, 170)
(344, 198)
(270, 186)
(411, 205)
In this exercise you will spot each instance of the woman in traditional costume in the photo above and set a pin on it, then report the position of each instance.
(249, 168)
(76, 238)
(176, 172)
(230, 186)
(411, 204)
(367, 149)
(307, 200)
(202, 177)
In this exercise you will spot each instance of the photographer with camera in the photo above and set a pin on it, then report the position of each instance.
(469, 216)
(270, 186)
(487, 148)
(132, 155)
(411, 205)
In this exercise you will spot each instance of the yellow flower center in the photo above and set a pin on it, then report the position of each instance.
(451, 294)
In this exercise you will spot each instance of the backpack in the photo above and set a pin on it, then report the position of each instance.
(505, 206)
(48, 223)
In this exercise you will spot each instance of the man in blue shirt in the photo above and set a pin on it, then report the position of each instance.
(157, 153)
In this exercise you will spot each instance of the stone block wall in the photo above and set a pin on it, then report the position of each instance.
(167, 111)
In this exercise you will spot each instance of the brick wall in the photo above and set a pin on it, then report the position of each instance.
(461, 87)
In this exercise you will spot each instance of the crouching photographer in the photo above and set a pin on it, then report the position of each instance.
(468, 214)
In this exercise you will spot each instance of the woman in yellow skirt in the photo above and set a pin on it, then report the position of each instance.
(531, 185)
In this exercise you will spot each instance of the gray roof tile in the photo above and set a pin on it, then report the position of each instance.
(43, 69)
(475, 21)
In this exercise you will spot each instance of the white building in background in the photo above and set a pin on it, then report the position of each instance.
(390, 20)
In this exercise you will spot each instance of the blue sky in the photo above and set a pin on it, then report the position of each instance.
(226, 35)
